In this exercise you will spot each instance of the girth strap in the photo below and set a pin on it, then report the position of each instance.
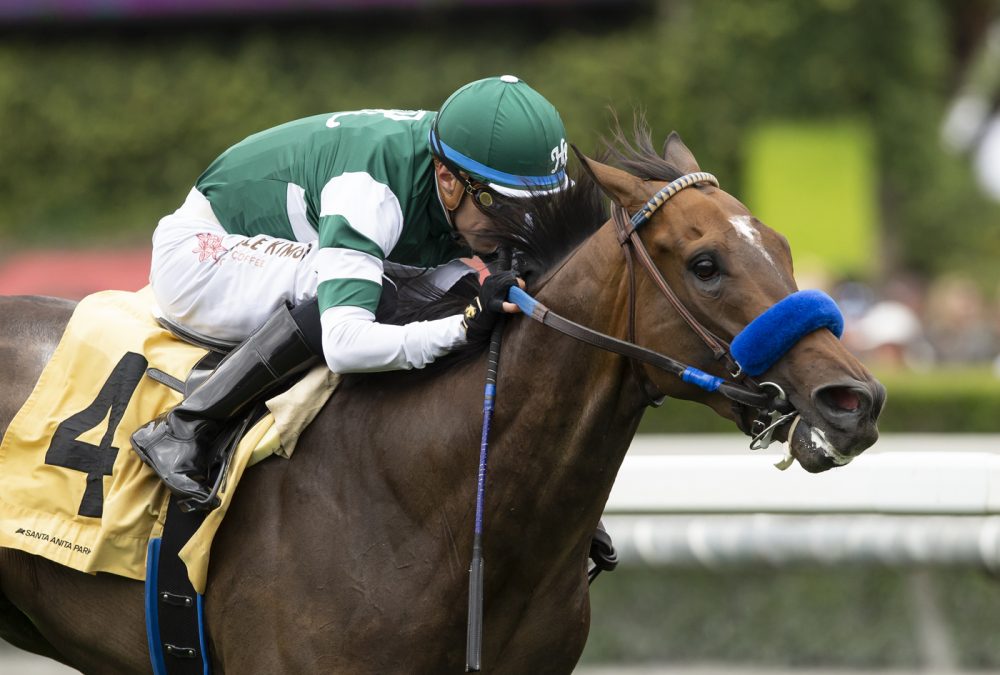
(175, 626)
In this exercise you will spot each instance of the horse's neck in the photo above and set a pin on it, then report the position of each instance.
(565, 415)
(573, 409)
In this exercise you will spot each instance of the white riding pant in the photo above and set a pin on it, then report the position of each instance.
(225, 285)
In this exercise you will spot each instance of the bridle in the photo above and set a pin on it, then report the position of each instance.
(627, 229)
(772, 408)
(633, 248)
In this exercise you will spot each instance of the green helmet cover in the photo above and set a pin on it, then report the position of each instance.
(505, 134)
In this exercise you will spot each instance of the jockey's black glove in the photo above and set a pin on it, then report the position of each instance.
(482, 314)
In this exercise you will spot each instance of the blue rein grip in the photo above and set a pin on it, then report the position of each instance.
(768, 337)
(706, 381)
(525, 302)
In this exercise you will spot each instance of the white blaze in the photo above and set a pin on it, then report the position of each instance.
(745, 228)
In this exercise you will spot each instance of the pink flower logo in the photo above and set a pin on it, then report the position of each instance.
(209, 247)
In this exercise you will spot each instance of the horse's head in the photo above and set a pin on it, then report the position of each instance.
(727, 268)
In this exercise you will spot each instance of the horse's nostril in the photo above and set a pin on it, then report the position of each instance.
(852, 402)
(844, 398)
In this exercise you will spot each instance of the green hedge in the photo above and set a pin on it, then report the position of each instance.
(843, 619)
(105, 129)
(947, 400)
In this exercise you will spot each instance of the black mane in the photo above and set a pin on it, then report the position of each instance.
(541, 231)
(561, 223)
(638, 156)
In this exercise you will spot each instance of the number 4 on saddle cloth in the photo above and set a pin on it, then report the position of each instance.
(73, 490)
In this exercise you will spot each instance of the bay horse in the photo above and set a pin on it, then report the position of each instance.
(353, 556)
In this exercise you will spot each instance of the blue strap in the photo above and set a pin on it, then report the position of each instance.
(203, 636)
(547, 181)
(152, 611)
(768, 337)
(175, 612)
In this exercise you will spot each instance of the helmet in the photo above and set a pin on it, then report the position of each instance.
(504, 134)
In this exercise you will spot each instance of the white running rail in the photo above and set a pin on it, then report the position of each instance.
(911, 500)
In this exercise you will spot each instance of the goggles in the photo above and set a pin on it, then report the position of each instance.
(483, 197)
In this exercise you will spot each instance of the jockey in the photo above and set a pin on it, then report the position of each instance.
(282, 243)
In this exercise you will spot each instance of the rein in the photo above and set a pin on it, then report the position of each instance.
(632, 245)
(733, 391)
(774, 408)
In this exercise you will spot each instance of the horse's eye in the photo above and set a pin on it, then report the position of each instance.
(705, 269)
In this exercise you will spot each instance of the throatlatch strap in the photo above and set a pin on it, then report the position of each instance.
(720, 350)
(175, 624)
(649, 391)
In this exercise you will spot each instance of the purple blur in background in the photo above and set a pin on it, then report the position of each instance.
(56, 10)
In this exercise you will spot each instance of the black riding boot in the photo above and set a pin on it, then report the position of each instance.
(181, 446)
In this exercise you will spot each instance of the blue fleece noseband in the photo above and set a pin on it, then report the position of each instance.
(770, 335)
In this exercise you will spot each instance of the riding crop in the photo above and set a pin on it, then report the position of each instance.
(474, 634)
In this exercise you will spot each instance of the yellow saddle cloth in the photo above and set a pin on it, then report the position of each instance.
(71, 488)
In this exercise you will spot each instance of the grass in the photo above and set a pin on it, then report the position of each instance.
(853, 617)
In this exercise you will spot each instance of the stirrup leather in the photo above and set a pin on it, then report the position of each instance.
(225, 448)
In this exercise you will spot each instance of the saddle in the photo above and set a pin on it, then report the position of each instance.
(74, 492)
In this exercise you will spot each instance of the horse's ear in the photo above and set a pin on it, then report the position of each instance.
(675, 152)
(620, 186)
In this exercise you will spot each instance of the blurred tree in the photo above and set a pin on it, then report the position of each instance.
(105, 127)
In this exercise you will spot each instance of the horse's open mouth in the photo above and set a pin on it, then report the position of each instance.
(813, 450)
